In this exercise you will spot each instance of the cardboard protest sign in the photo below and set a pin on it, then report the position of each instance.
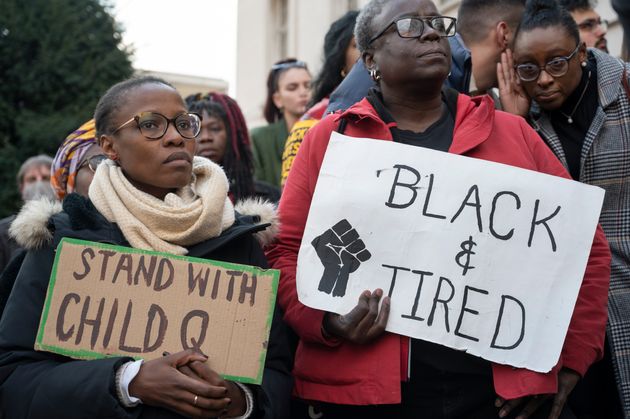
(475, 255)
(108, 300)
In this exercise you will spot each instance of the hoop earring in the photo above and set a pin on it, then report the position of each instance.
(375, 74)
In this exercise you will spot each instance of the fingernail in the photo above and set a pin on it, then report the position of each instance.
(229, 402)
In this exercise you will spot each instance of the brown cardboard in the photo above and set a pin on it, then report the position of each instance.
(152, 302)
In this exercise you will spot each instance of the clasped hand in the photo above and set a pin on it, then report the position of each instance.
(184, 383)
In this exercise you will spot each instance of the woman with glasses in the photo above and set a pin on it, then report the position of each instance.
(348, 363)
(288, 95)
(151, 193)
(581, 109)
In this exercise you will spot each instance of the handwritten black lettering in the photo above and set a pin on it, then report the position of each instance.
(467, 310)
(86, 265)
(414, 309)
(542, 221)
(509, 234)
(63, 335)
(504, 298)
(248, 288)
(437, 299)
(411, 186)
(474, 190)
(195, 343)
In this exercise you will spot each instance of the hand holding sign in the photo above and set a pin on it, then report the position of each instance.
(341, 251)
(364, 323)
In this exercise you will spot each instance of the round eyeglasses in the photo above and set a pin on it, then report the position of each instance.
(154, 125)
(556, 67)
(93, 162)
(413, 27)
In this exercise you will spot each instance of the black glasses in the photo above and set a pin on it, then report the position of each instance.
(93, 162)
(556, 67)
(154, 125)
(413, 27)
(290, 64)
(589, 25)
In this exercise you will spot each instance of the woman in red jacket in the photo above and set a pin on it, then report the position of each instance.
(347, 362)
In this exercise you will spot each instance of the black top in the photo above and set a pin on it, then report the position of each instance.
(429, 360)
(438, 136)
(572, 135)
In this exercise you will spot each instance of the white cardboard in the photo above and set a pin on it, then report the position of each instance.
(356, 181)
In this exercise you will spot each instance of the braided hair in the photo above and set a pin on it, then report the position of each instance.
(237, 161)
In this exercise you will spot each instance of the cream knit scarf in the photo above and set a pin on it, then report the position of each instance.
(194, 213)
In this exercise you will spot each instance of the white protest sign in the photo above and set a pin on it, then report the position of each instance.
(475, 255)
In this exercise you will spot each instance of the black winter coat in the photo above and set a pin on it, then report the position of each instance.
(45, 385)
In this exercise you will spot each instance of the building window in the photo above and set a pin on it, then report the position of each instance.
(281, 11)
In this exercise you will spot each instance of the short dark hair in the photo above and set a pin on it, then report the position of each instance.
(238, 162)
(573, 5)
(336, 43)
(271, 111)
(547, 13)
(476, 18)
(113, 99)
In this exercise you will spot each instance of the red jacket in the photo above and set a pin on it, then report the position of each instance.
(342, 373)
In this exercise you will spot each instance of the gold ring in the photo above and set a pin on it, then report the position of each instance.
(195, 401)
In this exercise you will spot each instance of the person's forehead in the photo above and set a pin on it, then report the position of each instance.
(580, 15)
(294, 75)
(547, 42)
(38, 169)
(154, 97)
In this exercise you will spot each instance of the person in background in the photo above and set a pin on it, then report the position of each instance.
(76, 161)
(348, 362)
(340, 54)
(288, 95)
(485, 29)
(151, 193)
(224, 140)
(581, 109)
(33, 182)
(592, 27)
(72, 170)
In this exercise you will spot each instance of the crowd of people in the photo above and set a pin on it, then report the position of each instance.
(526, 83)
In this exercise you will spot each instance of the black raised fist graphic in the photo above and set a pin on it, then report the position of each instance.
(341, 251)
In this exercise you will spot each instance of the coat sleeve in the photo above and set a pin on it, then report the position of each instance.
(41, 384)
(584, 342)
(293, 212)
(273, 396)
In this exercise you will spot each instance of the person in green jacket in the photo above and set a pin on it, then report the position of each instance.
(288, 94)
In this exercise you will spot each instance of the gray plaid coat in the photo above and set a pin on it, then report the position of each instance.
(605, 162)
